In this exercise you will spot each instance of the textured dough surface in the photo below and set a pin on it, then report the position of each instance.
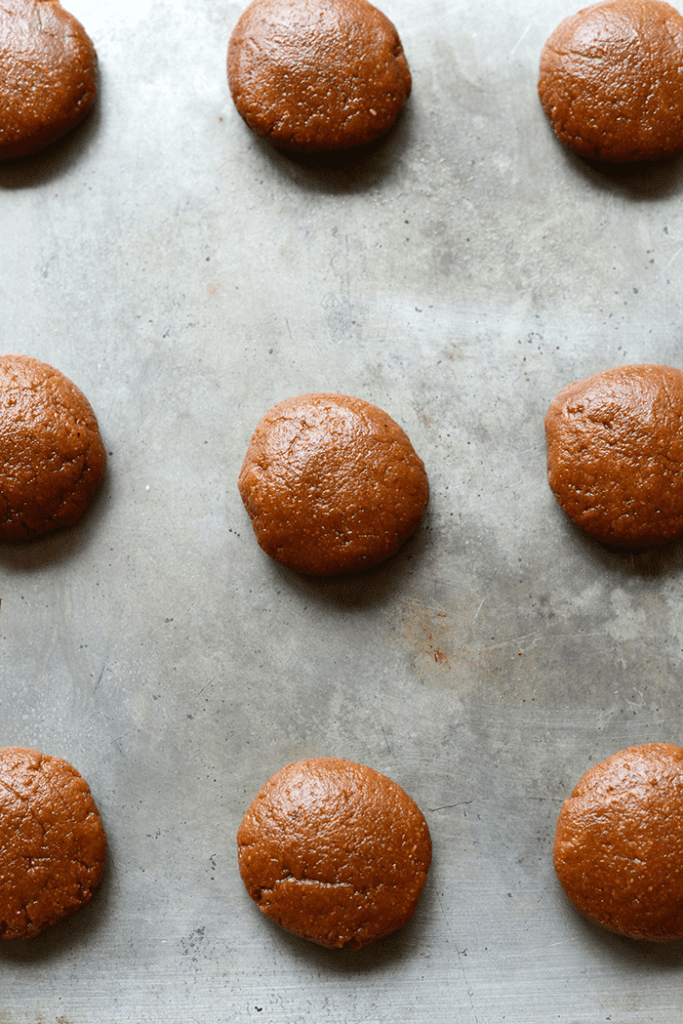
(315, 75)
(51, 453)
(48, 74)
(52, 844)
(611, 80)
(332, 484)
(334, 852)
(618, 849)
(615, 453)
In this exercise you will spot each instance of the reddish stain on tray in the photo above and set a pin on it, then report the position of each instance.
(439, 657)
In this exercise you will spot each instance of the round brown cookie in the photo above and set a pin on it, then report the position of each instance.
(52, 844)
(48, 74)
(316, 75)
(618, 849)
(51, 453)
(611, 80)
(332, 484)
(334, 852)
(615, 454)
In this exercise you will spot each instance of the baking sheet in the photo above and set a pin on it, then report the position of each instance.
(187, 277)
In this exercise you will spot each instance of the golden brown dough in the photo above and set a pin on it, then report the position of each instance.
(615, 454)
(52, 844)
(332, 484)
(51, 453)
(315, 75)
(611, 80)
(618, 849)
(334, 852)
(48, 74)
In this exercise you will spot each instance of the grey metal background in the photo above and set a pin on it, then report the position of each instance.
(187, 277)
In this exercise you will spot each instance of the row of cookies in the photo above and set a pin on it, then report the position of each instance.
(337, 853)
(317, 75)
(332, 483)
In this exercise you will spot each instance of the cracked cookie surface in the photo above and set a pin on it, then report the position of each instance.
(52, 843)
(331, 484)
(618, 850)
(334, 852)
(51, 454)
(48, 74)
(615, 454)
(611, 80)
(316, 75)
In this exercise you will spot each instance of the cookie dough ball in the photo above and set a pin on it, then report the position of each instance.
(52, 844)
(316, 75)
(334, 852)
(615, 454)
(51, 453)
(618, 849)
(48, 74)
(611, 80)
(331, 484)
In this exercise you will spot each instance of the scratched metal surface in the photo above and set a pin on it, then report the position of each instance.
(187, 277)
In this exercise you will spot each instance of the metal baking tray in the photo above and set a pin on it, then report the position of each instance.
(187, 276)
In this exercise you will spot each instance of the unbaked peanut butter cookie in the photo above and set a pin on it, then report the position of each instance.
(611, 80)
(618, 849)
(52, 843)
(317, 75)
(615, 454)
(48, 74)
(51, 454)
(331, 484)
(334, 852)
